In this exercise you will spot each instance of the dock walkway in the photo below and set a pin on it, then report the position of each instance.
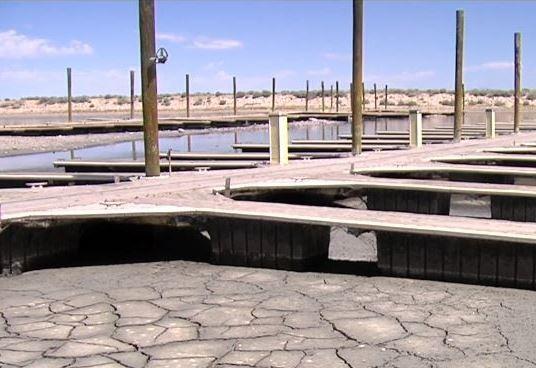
(190, 196)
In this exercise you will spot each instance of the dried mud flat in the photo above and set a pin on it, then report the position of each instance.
(183, 314)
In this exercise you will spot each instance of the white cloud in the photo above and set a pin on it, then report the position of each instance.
(320, 72)
(337, 56)
(222, 75)
(491, 65)
(213, 65)
(14, 45)
(171, 37)
(206, 43)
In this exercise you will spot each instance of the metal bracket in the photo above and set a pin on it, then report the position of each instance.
(160, 57)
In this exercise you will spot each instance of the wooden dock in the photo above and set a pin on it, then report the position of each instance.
(139, 166)
(114, 126)
(21, 179)
(345, 147)
(415, 235)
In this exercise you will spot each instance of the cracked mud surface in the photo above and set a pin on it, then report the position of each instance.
(184, 314)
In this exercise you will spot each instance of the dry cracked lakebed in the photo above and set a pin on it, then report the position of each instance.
(184, 314)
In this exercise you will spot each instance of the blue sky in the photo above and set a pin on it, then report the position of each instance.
(408, 44)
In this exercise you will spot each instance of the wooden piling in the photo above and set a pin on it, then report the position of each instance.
(385, 97)
(134, 154)
(415, 128)
(357, 77)
(273, 94)
(149, 87)
(234, 96)
(458, 97)
(331, 98)
(307, 95)
(517, 82)
(69, 97)
(463, 102)
(364, 93)
(132, 94)
(490, 123)
(337, 96)
(187, 95)
(278, 132)
(375, 98)
(322, 94)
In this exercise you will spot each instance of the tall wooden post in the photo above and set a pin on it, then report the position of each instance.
(463, 103)
(187, 95)
(306, 95)
(357, 77)
(69, 97)
(386, 97)
(234, 95)
(149, 88)
(132, 94)
(337, 96)
(331, 98)
(273, 94)
(458, 85)
(322, 91)
(351, 105)
(375, 98)
(517, 82)
(364, 92)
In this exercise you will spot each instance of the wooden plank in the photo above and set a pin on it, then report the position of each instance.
(250, 147)
(512, 150)
(208, 156)
(457, 168)
(254, 243)
(524, 266)
(346, 142)
(135, 166)
(440, 226)
(437, 186)
(503, 158)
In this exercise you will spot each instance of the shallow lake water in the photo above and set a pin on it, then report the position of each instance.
(215, 140)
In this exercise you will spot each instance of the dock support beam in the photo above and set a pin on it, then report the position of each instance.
(132, 94)
(490, 123)
(187, 95)
(273, 94)
(306, 96)
(69, 97)
(517, 82)
(278, 138)
(322, 89)
(234, 96)
(337, 96)
(331, 98)
(415, 128)
(149, 88)
(458, 85)
(357, 78)
(375, 98)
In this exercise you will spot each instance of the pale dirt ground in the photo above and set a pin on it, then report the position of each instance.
(209, 104)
